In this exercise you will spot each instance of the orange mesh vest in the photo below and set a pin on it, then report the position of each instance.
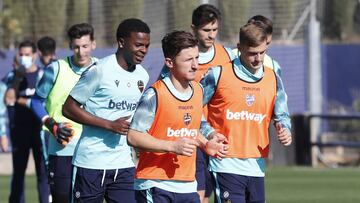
(173, 119)
(242, 112)
(221, 57)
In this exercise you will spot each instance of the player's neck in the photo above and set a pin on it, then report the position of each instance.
(182, 86)
(203, 49)
(122, 62)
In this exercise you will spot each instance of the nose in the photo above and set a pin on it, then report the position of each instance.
(258, 57)
(144, 49)
(212, 34)
(195, 64)
(80, 51)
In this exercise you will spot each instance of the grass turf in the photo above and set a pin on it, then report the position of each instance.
(286, 184)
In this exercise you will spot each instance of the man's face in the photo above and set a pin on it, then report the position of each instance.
(252, 57)
(206, 34)
(26, 51)
(183, 67)
(82, 49)
(135, 47)
(25, 57)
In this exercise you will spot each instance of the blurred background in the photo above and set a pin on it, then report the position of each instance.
(316, 42)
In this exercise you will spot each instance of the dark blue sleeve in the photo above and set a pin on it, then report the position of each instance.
(38, 106)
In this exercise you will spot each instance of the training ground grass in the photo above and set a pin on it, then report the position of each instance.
(283, 185)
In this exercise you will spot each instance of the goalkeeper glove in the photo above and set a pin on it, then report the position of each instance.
(61, 131)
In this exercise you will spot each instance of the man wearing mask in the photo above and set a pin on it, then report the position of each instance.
(24, 125)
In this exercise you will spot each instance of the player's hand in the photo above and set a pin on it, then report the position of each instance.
(217, 146)
(218, 137)
(184, 146)
(62, 132)
(121, 125)
(10, 97)
(283, 134)
(4, 143)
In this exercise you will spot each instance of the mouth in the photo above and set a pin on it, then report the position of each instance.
(139, 58)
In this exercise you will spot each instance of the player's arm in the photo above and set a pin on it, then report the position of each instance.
(72, 109)
(144, 141)
(62, 132)
(277, 67)
(139, 137)
(209, 83)
(82, 91)
(43, 89)
(3, 138)
(281, 115)
(216, 146)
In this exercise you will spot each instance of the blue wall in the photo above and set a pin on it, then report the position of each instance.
(340, 65)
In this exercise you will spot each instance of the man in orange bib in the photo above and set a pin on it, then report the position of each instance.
(166, 127)
(242, 97)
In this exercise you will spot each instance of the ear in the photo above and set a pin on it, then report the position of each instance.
(93, 45)
(169, 63)
(238, 45)
(193, 28)
(121, 42)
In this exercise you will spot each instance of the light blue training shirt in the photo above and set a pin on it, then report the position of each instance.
(107, 91)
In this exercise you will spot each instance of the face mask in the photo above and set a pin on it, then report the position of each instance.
(26, 61)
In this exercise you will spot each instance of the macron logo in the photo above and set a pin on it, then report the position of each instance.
(122, 105)
(183, 132)
(245, 115)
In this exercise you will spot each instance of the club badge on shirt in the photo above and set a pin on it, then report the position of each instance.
(250, 99)
(187, 118)
(140, 85)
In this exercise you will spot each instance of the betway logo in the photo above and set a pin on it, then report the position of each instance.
(245, 115)
(122, 105)
(183, 132)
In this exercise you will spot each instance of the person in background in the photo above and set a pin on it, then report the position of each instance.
(54, 87)
(46, 51)
(24, 125)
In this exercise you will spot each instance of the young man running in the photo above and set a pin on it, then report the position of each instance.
(109, 93)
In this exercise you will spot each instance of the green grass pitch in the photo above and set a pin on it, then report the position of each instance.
(283, 185)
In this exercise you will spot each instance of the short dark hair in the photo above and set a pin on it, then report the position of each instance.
(46, 45)
(28, 43)
(127, 26)
(252, 34)
(204, 14)
(78, 30)
(267, 23)
(175, 41)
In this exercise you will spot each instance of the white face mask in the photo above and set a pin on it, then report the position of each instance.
(26, 61)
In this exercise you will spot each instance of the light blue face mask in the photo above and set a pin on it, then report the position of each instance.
(26, 61)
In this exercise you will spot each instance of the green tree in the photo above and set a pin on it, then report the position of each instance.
(49, 18)
(235, 14)
(10, 29)
(284, 16)
(180, 14)
(116, 11)
(339, 19)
